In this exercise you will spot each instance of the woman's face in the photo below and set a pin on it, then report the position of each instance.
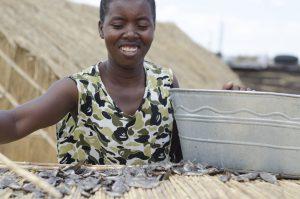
(128, 31)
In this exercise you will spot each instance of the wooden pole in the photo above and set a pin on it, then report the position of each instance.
(37, 181)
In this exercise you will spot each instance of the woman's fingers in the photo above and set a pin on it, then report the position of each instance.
(243, 88)
(232, 86)
(228, 86)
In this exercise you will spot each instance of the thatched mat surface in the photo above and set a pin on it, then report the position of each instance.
(42, 41)
(189, 187)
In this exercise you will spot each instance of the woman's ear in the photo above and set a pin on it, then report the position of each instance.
(100, 29)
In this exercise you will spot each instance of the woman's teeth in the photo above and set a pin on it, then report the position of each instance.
(129, 49)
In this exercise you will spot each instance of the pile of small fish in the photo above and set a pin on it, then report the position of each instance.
(190, 169)
(246, 177)
(116, 182)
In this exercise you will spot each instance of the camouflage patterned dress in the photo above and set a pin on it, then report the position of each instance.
(103, 134)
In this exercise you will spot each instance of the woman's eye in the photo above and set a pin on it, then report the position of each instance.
(142, 26)
(117, 26)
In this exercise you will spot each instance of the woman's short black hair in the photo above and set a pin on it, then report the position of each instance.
(105, 3)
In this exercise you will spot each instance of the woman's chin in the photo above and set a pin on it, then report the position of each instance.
(130, 61)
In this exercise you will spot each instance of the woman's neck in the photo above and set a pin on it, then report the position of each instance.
(123, 75)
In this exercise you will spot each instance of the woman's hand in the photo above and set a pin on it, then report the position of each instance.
(232, 86)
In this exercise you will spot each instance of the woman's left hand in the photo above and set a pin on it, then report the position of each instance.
(232, 86)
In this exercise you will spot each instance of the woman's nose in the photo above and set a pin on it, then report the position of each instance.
(130, 33)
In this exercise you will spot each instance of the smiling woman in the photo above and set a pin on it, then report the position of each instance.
(125, 115)
(117, 111)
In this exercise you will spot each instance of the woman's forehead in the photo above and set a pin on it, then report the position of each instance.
(129, 7)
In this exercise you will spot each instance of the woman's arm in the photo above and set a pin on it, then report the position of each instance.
(41, 112)
(175, 151)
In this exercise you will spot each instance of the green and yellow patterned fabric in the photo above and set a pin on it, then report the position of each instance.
(103, 134)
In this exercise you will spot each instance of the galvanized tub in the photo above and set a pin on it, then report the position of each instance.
(248, 131)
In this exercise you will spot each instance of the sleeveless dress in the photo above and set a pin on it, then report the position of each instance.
(103, 134)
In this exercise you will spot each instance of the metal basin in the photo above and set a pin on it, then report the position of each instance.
(248, 131)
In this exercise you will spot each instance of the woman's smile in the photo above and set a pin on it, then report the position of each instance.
(129, 49)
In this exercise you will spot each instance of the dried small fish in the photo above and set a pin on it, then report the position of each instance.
(134, 171)
(95, 189)
(226, 177)
(251, 176)
(15, 186)
(213, 171)
(194, 173)
(118, 188)
(15, 194)
(287, 177)
(85, 194)
(74, 167)
(61, 174)
(165, 176)
(143, 182)
(7, 181)
(63, 189)
(155, 170)
(39, 194)
(70, 182)
(118, 181)
(75, 177)
(191, 169)
(89, 183)
(3, 170)
(188, 167)
(268, 177)
(201, 172)
(245, 177)
(177, 170)
(109, 172)
(71, 171)
(53, 181)
(47, 174)
(96, 174)
(29, 187)
(87, 173)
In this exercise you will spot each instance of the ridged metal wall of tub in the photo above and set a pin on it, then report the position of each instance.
(251, 131)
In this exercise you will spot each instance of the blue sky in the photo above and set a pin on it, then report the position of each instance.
(250, 27)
